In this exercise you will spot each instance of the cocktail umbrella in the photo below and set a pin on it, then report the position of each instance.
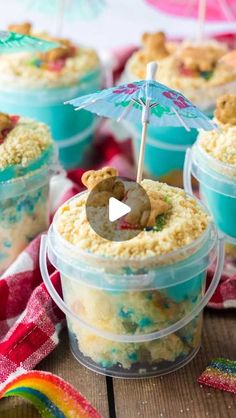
(12, 42)
(147, 101)
(71, 9)
(212, 10)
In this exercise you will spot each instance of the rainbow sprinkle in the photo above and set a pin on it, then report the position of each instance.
(51, 395)
(220, 374)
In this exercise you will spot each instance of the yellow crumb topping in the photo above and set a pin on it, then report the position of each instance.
(137, 64)
(168, 73)
(221, 143)
(169, 67)
(24, 143)
(19, 69)
(185, 222)
(200, 86)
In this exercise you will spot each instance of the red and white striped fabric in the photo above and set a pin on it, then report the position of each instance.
(29, 320)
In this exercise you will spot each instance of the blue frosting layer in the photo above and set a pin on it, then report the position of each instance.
(15, 171)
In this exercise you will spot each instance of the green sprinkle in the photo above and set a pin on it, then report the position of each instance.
(160, 223)
(206, 74)
(167, 199)
(130, 327)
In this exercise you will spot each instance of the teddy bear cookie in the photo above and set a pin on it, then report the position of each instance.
(154, 47)
(62, 52)
(6, 124)
(200, 58)
(104, 185)
(65, 49)
(23, 28)
(226, 109)
(144, 212)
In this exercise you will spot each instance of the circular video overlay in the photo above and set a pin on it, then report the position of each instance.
(118, 209)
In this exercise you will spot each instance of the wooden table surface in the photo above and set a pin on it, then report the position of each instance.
(171, 396)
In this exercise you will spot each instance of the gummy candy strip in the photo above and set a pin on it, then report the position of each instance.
(51, 395)
(220, 374)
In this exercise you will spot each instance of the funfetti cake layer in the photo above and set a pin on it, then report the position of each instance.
(26, 152)
(129, 307)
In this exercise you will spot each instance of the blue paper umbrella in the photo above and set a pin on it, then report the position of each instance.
(12, 42)
(71, 9)
(85, 9)
(147, 102)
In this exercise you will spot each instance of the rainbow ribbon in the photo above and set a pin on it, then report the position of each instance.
(51, 395)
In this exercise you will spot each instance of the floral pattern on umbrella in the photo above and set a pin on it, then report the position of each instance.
(167, 107)
(148, 102)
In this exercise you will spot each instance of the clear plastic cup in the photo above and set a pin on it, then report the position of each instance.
(73, 131)
(132, 318)
(23, 210)
(217, 182)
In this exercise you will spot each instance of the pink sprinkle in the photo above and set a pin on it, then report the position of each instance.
(56, 65)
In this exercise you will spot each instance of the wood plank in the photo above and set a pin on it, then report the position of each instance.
(175, 395)
(62, 363)
(178, 395)
(16, 408)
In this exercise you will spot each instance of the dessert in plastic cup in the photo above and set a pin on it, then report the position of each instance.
(196, 69)
(201, 80)
(37, 84)
(127, 298)
(214, 165)
(27, 157)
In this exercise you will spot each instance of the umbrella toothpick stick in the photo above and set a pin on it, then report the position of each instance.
(151, 73)
(141, 152)
(157, 104)
(60, 17)
(201, 19)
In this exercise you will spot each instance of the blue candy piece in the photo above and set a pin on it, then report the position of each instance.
(133, 357)
(145, 322)
(125, 312)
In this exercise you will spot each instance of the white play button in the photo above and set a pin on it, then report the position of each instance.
(107, 209)
(117, 209)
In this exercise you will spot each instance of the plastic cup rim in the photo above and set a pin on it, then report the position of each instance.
(210, 158)
(195, 244)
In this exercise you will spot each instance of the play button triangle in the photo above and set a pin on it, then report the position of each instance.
(117, 209)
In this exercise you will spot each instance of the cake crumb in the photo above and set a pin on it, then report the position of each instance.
(185, 222)
(24, 143)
